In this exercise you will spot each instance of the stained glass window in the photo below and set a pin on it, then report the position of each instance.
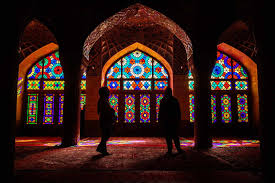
(161, 85)
(145, 108)
(36, 71)
(241, 85)
(242, 108)
(229, 80)
(113, 100)
(45, 85)
(60, 111)
(213, 109)
(83, 84)
(226, 108)
(53, 85)
(82, 101)
(135, 79)
(52, 68)
(114, 71)
(192, 107)
(191, 85)
(222, 68)
(158, 99)
(113, 85)
(129, 108)
(48, 109)
(220, 85)
(137, 65)
(136, 85)
(32, 108)
(159, 71)
(33, 85)
(238, 71)
(191, 97)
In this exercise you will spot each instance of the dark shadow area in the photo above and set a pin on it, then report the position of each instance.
(98, 156)
(23, 151)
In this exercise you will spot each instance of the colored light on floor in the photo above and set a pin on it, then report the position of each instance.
(132, 141)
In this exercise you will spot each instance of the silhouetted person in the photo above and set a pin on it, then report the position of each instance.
(169, 117)
(107, 119)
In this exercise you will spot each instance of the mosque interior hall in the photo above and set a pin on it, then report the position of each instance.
(59, 54)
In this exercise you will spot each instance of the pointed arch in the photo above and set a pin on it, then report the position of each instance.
(25, 65)
(251, 67)
(140, 47)
(144, 15)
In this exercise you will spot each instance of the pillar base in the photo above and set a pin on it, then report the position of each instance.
(203, 144)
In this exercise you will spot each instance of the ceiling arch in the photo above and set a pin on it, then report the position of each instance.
(136, 15)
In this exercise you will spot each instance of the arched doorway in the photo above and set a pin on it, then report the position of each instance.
(136, 81)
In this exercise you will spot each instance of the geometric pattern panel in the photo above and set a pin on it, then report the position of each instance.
(220, 85)
(83, 84)
(242, 108)
(129, 108)
(137, 65)
(213, 109)
(60, 110)
(192, 107)
(115, 71)
(36, 71)
(241, 85)
(84, 75)
(191, 85)
(48, 116)
(159, 71)
(54, 85)
(222, 68)
(190, 75)
(158, 99)
(32, 108)
(238, 71)
(82, 101)
(226, 108)
(52, 67)
(137, 85)
(161, 85)
(113, 85)
(145, 108)
(113, 100)
(33, 84)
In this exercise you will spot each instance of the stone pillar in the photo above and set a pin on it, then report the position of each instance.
(204, 40)
(70, 58)
(204, 57)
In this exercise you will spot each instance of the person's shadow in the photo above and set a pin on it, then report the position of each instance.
(98, 156)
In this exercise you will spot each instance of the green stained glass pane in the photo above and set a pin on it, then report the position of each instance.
(32, 109)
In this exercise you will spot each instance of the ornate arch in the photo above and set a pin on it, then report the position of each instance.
(140, 14)
(251, 67)
(25, 65)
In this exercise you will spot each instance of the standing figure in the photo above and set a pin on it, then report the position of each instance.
(169, 117)
(107, 119)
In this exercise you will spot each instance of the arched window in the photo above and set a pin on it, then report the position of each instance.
(229, 86)
(45, 92)
(137, 83)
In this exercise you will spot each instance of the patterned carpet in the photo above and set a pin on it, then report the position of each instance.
(136, 159)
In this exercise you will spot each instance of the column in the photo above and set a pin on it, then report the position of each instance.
(204, 59)
(71, 60)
